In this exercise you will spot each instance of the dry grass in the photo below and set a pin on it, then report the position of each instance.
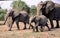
(4, 33)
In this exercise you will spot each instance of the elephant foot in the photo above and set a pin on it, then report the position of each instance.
(37, 31)
(56, 27)
(9, 30)
(29, 28)
(49, 29)
(52, 27)
(42, 31)
(33, 30)
(24, 28)
(18, 29)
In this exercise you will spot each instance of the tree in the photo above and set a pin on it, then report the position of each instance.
(2, 12)
(33, 10)
(20, 5)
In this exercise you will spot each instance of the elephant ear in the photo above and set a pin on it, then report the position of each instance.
(49, 6)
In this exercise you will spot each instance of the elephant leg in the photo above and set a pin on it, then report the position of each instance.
(17, 23)
(51, 22)
(31, 26)
(24, 26)
(48, 27)
(42, 28)
(36, 28)
(11, 26)
(57, 26)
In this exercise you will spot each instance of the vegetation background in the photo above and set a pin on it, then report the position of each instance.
(19, 5)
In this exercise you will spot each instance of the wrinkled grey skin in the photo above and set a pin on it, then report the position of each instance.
(52, 11)
(39, 21)
(21, 17)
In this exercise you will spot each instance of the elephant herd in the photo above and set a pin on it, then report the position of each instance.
(45, 10)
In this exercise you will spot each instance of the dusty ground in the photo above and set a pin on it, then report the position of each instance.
(4, 33)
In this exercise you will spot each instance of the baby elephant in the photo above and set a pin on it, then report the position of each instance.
(39, 21)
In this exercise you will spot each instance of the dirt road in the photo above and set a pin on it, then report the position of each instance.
(4, 33)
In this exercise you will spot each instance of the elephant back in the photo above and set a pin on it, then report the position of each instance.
(16, 12)
(43, 19)
(24, 13)
(57, 5)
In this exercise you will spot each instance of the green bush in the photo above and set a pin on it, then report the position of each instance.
(33, 10)
(2, 12)
(20, 5)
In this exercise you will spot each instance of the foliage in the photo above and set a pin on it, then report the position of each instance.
(2, 12)
(33, 10)
(20, 5)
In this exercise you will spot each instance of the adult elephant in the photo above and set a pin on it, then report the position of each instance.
(51, 10)
(18, 17)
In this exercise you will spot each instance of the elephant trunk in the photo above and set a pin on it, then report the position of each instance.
(47, 11)
(4, 21)
(39, 12)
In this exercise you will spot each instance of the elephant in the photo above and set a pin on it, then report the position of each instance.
(51, 10)
(39, 21)
(20, 17)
